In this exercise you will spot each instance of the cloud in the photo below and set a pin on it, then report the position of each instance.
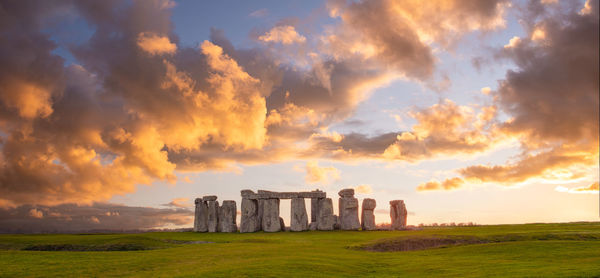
(132, 109)
(179, 203)
(317, 174)
(285, 34)
(551, 99)
(529, 166)
(155, 44)
(447, 184)
(99, 216)
(363, 189)
(126, 114)
(259, 13)
(366, 29)
(591, 189)
(36, 213)
(442, 129)
(541, 82)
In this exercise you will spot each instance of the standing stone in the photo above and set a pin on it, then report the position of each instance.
(227, 215)
(261, 205)
(348, 192)
(299, 218)
(348, 208)
(213, 216)
(209, 198)
(398, 214)
(200, 216)
(282, 224)
(368, 215)
(270, 215)
(314, 209)
(249, 220)
(327, 219)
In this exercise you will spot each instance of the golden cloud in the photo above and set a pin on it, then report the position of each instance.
(447, 184)
(552, 113)
(317, 174)
(591, 189)
(363, 189)
(284, 34)
(155, 44)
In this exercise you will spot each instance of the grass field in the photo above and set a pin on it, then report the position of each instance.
(538, 250)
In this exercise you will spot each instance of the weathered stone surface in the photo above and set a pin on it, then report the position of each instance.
(247, 193)
(270, 215)
(314, 209)
(264, 194)
(398, 214)
(326, 219)
(200, 216)
(348, 208)
(369, 204)
(249, 219)
(367, 214)
(261, 205)
(346, 193)
(209, 198)
(312, 226)
(227, 215)
(213, 216)
(299, 217)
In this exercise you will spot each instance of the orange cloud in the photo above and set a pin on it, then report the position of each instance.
(36, 213)
(447, 184)
(365, 29)
(592, 189)
(317, 174)
(179, 203)
(551, 113)
(363, 189)
(284, 34)
(31, 100)
(529, 166)
(155, 44)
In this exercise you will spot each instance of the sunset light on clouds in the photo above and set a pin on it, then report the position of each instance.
(469, 111)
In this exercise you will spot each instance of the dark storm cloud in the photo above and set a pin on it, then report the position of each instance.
(99, 216)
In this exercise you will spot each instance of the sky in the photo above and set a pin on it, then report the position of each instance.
(118, 114)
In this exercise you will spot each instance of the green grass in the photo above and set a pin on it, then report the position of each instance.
(531, 250)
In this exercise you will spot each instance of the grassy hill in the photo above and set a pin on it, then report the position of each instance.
(559, 250)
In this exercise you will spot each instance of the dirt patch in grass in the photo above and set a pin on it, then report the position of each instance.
(413, 243)
(255, 240)
(174, 241)
(76, 247)
(420, 243)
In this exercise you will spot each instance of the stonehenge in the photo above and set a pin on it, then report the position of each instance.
(259, 211)
(212, 214)
(227, 214)
(348, 209)
(298, 217)
(250, 221)
(270, 216)
(398, 214)
(201, 219)
(368, 215)
(326, 220)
